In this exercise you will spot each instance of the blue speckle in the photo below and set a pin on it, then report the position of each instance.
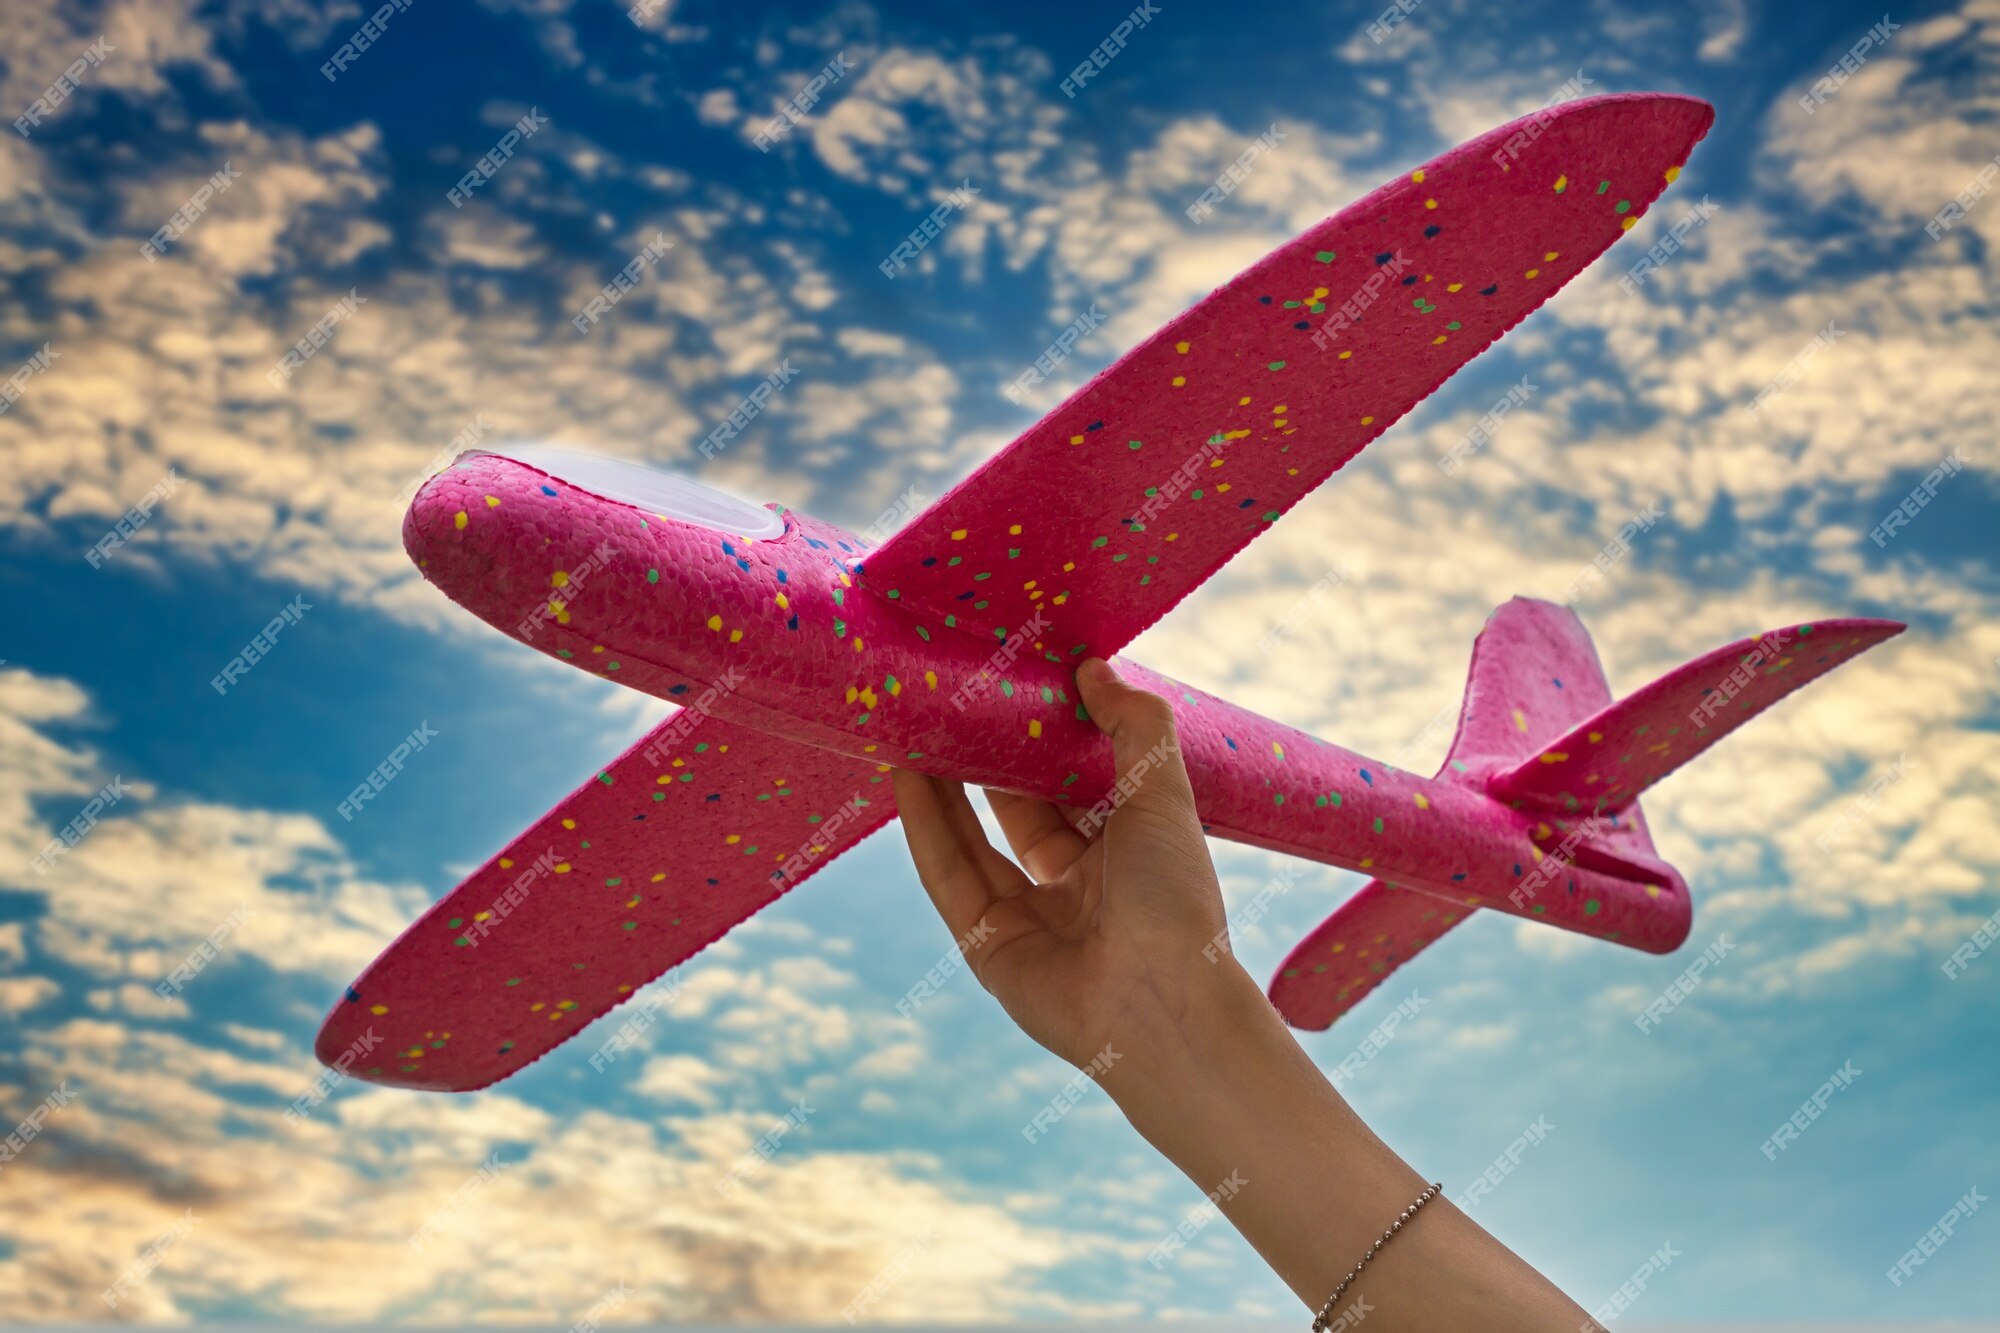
(1367, 777)
(548, 490)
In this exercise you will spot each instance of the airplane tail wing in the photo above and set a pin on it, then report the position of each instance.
(1534, 675)
(1540, 732)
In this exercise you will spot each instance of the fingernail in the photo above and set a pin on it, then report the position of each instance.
(1097, 669)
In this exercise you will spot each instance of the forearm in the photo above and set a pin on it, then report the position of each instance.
(1226, 1094)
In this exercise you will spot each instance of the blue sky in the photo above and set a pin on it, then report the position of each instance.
(289, 489)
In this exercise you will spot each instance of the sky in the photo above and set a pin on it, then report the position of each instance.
(1842, 849)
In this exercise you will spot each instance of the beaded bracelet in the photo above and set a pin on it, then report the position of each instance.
(1321, 1320)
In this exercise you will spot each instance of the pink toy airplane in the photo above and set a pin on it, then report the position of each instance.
(809, 665)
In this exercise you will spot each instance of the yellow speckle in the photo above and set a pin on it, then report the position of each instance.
(1014, 531)
(1076, 439)
(1551, 255)
(459, 520)
(1029, 584)
(1180, 381)
(1520, 720)
(1561, 183)
(1672, 174)
(1346, 354)
(733, 839)
(536, 1007)
(857, 645)
(481, 916)
(1533, 273)
(783, 604)
(959, 535)
(492, 502)
(1068, 565)
(715, 622)
(562, 867)
(1454, 286)
(1653, 890)
(1628, 224)
(930, 679)
(1223, 487)
(660, 876)
(1367, 861)
(1423, 801)
(1418, 175)
(1061, 597)
(1435, 341)
(506, 863)
(569, 823)
(1368, 421)
(1172, 536)
(1034, 728)
(1340, 946)
(1181, 348)
(736, 636)
(1243, 401)
(1430, 203)
(1596, 736)
(560, 578)
(1554, 757)
(1277, 749)
(1280, 410)
(378, 1009)
(625, 988)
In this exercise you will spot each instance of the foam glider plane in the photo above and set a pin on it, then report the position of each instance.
(809, 665)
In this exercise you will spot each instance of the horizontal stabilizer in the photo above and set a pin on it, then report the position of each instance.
(1602, 764)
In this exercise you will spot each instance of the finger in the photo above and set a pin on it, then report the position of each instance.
(955, 863)
(1042, 839)
(1141, 727)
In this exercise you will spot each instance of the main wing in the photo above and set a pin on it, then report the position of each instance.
(1120, 502)
(698, 826)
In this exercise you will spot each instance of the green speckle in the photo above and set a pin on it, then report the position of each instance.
(652, 576)
(701, 747)
(1624, 206)
(604, 778)
(564, 652)
(1326, 256)
(1007, 688)
(1013, 553)
(840, 597)
(1270, 516)
(454, 923)
(630, 925)
(1276, 365)
(1074, 776)
(951, 622)
(1100, 541)
(1081, 715)
(954, 562)
(610, 666)
(613, 882)
(513, 981)
(1602, 186)
(923, 634)
(1378, 823)
(1048, 695)
(1591, 906)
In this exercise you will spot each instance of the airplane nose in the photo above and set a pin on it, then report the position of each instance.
(476, 531)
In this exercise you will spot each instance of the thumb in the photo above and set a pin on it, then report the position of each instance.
(1151, 775)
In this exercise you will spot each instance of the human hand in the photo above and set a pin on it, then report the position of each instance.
(1104, 939)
